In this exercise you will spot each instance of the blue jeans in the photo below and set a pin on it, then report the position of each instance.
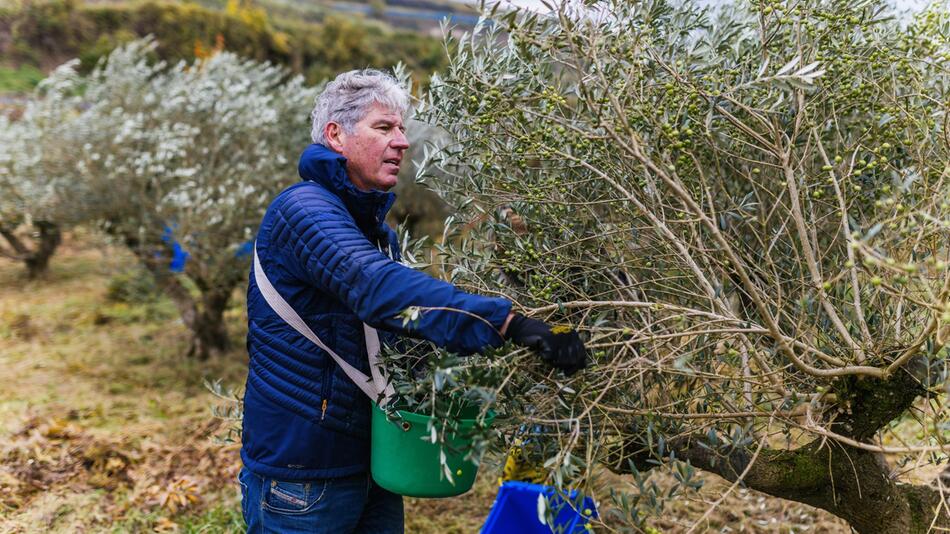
(353, 504)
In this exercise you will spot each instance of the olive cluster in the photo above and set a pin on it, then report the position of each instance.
(678, 141)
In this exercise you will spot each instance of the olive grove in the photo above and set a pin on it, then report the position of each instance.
(747, 211)
(157, 155)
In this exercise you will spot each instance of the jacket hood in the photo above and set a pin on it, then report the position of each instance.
(328, 168)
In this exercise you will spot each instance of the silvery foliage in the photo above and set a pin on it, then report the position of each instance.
(619, 166)
(36, 178)
(200, 148)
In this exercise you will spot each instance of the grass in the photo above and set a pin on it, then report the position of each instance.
(20, 79)
(90, 383)
(100, 396)
(105, 425)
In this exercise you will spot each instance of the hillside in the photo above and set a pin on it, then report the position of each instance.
(422, 16)
(35, 37)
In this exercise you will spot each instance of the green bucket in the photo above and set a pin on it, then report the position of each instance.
(404, 461)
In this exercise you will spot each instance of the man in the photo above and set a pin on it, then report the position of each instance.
(326, 250)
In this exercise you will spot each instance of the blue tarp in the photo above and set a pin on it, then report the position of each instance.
(180, 255)
(516, 509)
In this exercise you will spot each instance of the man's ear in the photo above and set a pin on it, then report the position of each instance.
(334, 135)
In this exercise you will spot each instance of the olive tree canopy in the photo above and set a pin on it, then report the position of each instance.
(748, 213)
(191, 154)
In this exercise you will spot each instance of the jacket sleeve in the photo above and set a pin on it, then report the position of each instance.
(327, 248)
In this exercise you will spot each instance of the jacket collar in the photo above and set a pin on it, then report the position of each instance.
(328, 168)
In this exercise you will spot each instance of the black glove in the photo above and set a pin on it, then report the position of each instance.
(561, 348)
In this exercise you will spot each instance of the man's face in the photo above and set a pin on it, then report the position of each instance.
(373, 150)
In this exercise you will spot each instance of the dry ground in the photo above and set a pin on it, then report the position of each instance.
(105, 424)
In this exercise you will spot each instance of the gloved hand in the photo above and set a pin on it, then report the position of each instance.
(559, 346)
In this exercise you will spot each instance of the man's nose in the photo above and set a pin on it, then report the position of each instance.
(400, 141)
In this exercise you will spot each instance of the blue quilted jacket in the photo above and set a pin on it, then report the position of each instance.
(320, 245)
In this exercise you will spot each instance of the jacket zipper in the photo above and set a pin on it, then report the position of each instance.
(325, 390)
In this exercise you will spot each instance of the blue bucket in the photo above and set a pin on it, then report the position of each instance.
(516, 510)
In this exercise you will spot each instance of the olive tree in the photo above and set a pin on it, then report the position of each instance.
(189, 154)
(38, 191)
(747, 211)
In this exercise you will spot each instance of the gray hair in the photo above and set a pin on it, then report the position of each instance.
(347, 99)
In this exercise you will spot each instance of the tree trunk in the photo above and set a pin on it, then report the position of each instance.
(203, 316)
(854, 484)
(210, 331)
(37, 260)
(49, 239)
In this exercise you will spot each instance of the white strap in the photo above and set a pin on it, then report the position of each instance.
(379, 375)
(372, 387)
